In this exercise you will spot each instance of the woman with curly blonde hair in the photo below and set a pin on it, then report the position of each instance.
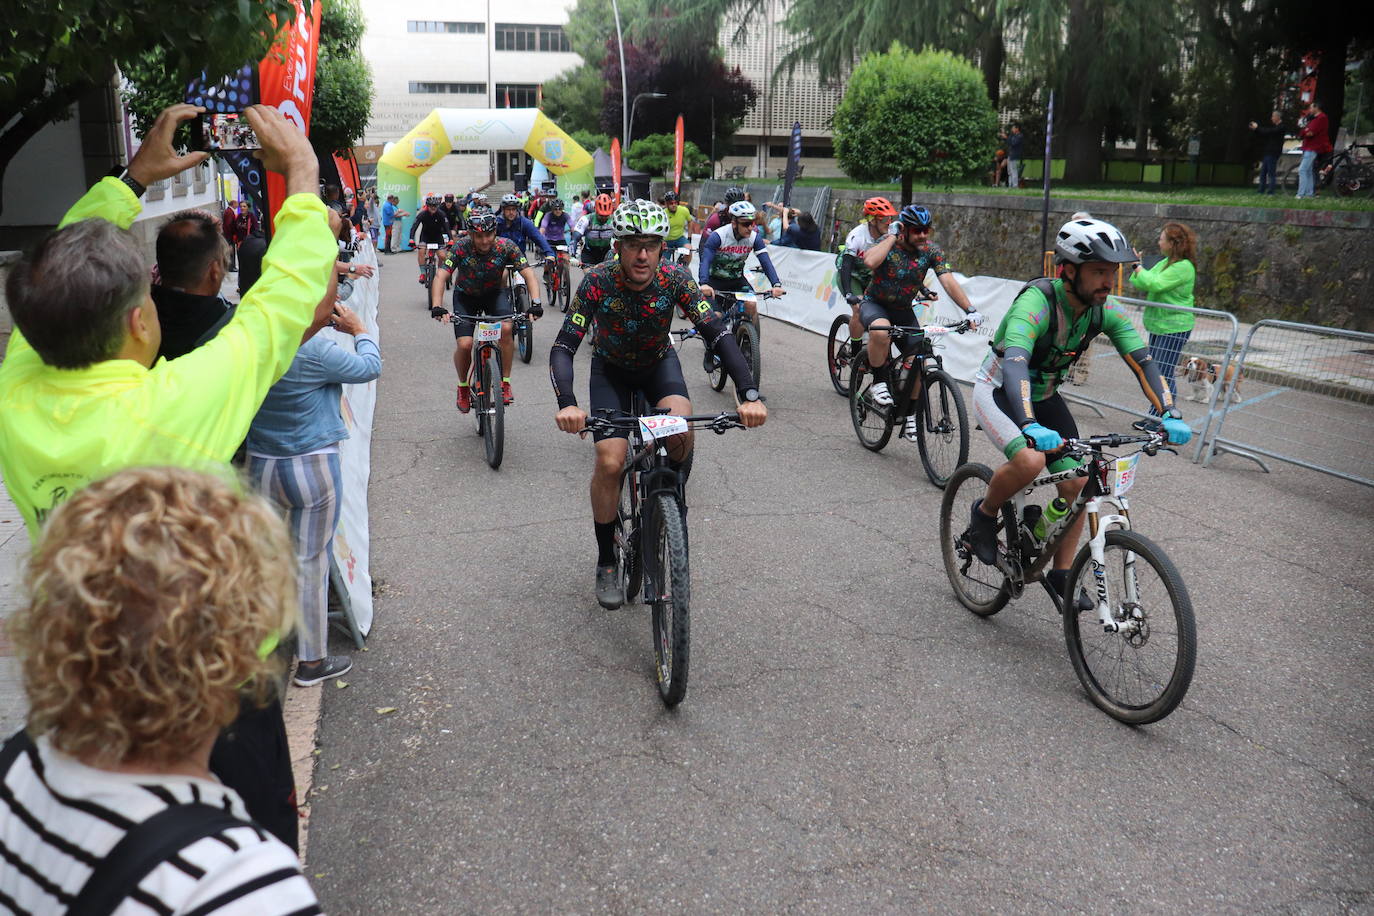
(155, 597)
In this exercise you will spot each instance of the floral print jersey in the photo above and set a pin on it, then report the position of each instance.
(476, 274)
(902, 275)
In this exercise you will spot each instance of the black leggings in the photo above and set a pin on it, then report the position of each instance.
(612, 387)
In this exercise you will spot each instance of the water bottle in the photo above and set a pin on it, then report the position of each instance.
(1057, 509)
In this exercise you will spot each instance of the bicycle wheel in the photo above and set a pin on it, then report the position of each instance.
(716, 375)
(1139, 674)
(980, 588)
(872, 424)
(835, 359)
(478, 391)
(627, 536)
(564, 287)
(1351, 180)
(524, 339)
(494, 435)
(671, 612)
(748, 338)
(943, 430)
(1290, 179)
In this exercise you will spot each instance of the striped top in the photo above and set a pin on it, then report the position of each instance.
(59, 818)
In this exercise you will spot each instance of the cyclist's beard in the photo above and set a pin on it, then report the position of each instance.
(1089, 297)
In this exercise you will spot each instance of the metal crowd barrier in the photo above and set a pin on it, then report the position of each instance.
(1302, 394)
(1114, 385)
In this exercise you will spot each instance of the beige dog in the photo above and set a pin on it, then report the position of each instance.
(1201, 377)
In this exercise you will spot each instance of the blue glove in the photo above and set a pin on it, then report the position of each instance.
(1178, 432)
(1043, 438)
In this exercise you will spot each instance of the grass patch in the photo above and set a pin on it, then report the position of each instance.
(1132, 193)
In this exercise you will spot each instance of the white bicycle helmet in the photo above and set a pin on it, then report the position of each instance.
(742, 209)
(510, 200)
(1082, 240)
(639, 217)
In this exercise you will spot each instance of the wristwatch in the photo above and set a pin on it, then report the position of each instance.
(750, 394)
(132, 182)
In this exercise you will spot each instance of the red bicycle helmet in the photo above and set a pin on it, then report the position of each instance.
(879, 206)
(604, 205)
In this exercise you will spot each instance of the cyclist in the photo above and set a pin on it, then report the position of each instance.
(1015, 399)
(721, 217)
(724, 251)
(519, 230)
(554, 225)
(594, 232)
(679, 225)
(853, 274)
(899, 263)
(452, 212)
(632, 300)
(478, 265)
(432, 227)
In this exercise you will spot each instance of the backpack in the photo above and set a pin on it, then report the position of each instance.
(143, 848)
(1049, 357)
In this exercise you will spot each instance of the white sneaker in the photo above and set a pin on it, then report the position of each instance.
(911, 429)
(880, 395)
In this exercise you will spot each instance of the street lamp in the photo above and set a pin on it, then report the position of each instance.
(630, 125)
(624, 112)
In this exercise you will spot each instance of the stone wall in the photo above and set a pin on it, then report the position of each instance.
(1313, 266)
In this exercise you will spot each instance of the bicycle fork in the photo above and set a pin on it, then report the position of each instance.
(1131, 618)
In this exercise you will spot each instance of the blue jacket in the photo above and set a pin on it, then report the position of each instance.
(388, 213)
(301, 412)
(520, 230)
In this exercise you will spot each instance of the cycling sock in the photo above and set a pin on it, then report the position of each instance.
(462, 384)
(605, 543)
(856, 340)
(880, 373)
(506, 379)
(1057, 578)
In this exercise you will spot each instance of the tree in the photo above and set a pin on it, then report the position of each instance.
(53, 54)
(915, 115)
(655, 154)
(572, 100)
(589, 141)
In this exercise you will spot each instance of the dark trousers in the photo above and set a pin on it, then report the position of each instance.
(251, 757)
(1267, 168)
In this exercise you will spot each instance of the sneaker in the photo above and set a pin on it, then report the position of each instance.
(911, 428)
(308, 674)
(708, 362)
(464, 398)
(610, 593)
(880, 395)
(506, 396)
(1147, 425)
(982, 534)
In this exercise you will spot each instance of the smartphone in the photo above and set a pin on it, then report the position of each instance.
(218, 133)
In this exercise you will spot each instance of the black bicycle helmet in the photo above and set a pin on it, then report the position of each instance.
(733, 194)
(912, 215)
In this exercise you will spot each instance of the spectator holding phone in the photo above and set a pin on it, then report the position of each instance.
(1271, 140)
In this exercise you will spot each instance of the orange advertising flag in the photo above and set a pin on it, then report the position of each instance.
(615, 167)
(678, 140)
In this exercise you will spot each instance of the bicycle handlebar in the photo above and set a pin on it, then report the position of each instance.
(609, 420)
(899, 330)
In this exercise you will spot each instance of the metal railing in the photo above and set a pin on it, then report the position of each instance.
(1115, 386)
(1302, 394)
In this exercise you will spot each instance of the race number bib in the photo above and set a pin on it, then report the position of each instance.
(488, 331)
(1125, 474)
(661, 427)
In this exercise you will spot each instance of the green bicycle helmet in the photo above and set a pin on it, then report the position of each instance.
(639, 217)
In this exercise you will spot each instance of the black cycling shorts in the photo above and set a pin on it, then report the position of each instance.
(612, 387)
(496, 305)
(870, 311)
(592, 255)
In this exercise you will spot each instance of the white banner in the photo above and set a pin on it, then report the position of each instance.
(352, 542)
(813, 301)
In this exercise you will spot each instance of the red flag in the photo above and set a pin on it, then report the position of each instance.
(348, 172)
(507, 98)
(615, 167)
(539, 97)
(286, 81)
(679, 138)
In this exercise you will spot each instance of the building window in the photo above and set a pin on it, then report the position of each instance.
(460, 28)
(743, 149)
(517, 37)
(517, 95)
(808, 152)
(448, 88)
(510, 164)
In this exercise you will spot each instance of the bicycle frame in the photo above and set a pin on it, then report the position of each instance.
(923, 359)
(648, 475)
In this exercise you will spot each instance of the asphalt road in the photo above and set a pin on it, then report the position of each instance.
(852, 740)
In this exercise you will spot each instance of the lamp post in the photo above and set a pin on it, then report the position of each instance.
(624, 112)
(631, 124)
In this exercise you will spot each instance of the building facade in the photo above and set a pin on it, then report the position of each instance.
(461, 54)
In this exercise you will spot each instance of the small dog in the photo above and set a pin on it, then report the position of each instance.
(1201, 376)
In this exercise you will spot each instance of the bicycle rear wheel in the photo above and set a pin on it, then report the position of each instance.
(943, 429)
(980, 588)
(564, 287)
(494, 433)
(872, 424)
(835, 359)
(716, 374)
(671, 611)
(748, 338)
(1139, 674)
(524, 339)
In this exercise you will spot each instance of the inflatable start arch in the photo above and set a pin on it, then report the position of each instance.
(448, 129)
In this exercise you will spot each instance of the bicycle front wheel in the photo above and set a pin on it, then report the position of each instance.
(494, 431)
(872, 424)
(836, 361)
(1139, 673)
(943, 429)
(980, 588)
(524, 339)
(628, 536)
(671, 610)
(748, 338)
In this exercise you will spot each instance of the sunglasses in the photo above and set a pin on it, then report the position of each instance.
(746, 223)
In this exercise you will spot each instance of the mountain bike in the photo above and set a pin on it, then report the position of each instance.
(1349, 173)
(520, 302)
(651, 534)
(484, 379)
(941, 426)
(745, 332)
(558, 280)
(840, 352)
(431, 265)
(1129, 625)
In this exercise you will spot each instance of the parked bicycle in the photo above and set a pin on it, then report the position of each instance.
(1348, 172)
(651, 537)
(484, 378)
(1128, 620)
(935, 416)
(737, 323)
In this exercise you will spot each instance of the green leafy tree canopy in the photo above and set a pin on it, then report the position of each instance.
(923, 116)
(655, 154)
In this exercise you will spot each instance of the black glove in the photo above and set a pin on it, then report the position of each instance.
(437, 311)
(537, 310)
(852, 299)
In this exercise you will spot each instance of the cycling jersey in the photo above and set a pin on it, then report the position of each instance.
(454, 215)
(678, 218)
(477, 274)
(555, 226)
(632, 325)
(519, 231)
(595, 233)
(901, 275)
(723, 255)
(851, 258)
(431, 225)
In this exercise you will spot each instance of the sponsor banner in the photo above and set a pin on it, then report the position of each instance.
(615, 167)
(679, 137)
(348, 174)
(793, 164)
(368, 155)
(352, 541)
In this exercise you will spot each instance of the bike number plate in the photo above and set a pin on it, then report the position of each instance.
(432, 246)
(1125, 475)
(747, 297)
(488, 331)
(663, 426)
